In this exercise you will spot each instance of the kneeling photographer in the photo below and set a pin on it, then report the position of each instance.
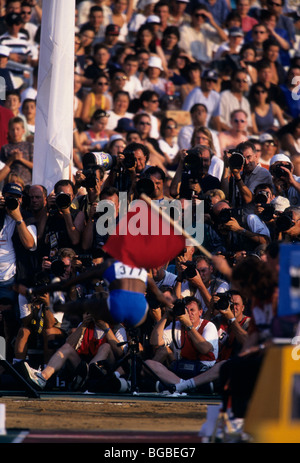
(193, 341)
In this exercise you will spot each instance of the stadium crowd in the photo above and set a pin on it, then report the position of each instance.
(201, 98)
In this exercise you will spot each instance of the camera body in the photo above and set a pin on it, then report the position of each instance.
(284, 221)
(90, 178)
(63, 200)
(236, 160)
(223, 302)
(190, 270)
(57, 266)
(261, 198)
(178, 308)
(193, 164)
(278, 172)
(11, 203)
(225, 215)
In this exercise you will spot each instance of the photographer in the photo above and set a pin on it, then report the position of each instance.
(242, 173)
(193, 340)
(63, 226)
(130, 166)
(285, 182)
(288, 224)
(234, 235)
(191, 177)
(16, 239)
(262, 220)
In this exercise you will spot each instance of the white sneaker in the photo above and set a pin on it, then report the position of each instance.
(35, 376)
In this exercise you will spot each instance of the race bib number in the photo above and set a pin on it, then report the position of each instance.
(124, 271)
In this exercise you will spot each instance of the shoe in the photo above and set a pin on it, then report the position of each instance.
(96, 371)
(35, 376)
(160, 387)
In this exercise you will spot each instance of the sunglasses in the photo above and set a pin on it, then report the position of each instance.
(154, 101)
(102, 83)
(270, 143)
(200, 15)
(241, 81)
(259, 32)
(145, 123)
(121, 78)
(257, 92)
(171, 127)
(239, 120)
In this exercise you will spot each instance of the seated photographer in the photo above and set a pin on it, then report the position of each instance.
(285, 182)
(232, 327)
(242, 173)
(38, 319)
(191, 177)
(193, 341)
(91, 349)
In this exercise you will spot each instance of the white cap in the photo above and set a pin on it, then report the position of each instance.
(280, 203)
(4, 51)
(153, 19)
(265, 137)
(280, 158)
(155, 62)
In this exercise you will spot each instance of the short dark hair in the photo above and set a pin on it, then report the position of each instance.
(63, 182)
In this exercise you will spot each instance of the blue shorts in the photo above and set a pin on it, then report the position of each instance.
(127, 307)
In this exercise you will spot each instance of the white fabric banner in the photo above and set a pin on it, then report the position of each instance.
(53, 141)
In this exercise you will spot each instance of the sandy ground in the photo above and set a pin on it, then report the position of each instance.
(103, 414)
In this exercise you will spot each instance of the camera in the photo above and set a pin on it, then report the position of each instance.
(178, 308)
(278, 172)
(90, 178)
(63, 200)
(223, 302)
(285, 221)
(267, 214)
(193, 164)
(129, 160)
(190, 270)
(261, 198)
(11, 203)
(57, 266)
(236, 160)
(224, 216)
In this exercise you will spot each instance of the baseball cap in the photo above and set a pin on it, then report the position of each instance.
(100, 113)
(265, 137)
(112, 29)
(280, 158)
(236, 32)
(12, 188)
(4, 51)
(124, 125)
(210, 74)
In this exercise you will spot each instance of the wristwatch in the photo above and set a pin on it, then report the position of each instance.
(189, 328)
(231, 320)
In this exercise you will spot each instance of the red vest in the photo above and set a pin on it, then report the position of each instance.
(89, 344)
(188, 350)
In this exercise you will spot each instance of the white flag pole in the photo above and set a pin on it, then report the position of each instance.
(53, 141)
